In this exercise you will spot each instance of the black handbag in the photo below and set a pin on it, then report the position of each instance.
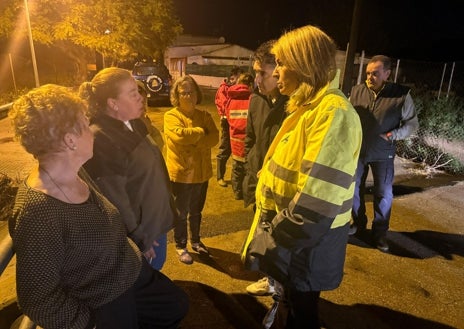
(265, 255)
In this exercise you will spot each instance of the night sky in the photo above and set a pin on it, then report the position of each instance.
(404, 29)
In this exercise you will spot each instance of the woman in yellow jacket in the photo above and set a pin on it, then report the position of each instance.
(190, 135)
(305, 188)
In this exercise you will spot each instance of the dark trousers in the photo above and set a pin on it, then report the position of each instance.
(298, 310)
(224, 149)
(154, 301)
(383, 173)
(190, 200)
(238, 174)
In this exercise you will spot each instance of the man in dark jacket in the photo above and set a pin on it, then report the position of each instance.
(387, 114)
(265, 115)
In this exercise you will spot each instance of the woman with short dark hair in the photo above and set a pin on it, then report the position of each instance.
(190, 135)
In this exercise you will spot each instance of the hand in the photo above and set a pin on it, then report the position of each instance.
(387, 136)
(150, 253)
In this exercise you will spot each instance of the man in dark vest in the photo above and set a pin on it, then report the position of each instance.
(387, 114)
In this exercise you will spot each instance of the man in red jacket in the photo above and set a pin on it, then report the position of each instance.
(237, 113)
(221, 102)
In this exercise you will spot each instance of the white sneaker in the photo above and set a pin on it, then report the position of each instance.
(262, 287)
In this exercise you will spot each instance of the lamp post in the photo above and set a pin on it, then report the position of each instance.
(31, 45)
(107, 32)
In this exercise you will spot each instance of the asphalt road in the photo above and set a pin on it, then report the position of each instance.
(417, 285)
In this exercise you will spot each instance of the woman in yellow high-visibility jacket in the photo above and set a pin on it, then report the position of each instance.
(305, 188)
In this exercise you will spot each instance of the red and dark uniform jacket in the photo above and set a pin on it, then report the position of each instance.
(237, 113)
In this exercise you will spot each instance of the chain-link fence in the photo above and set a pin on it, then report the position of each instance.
(438, 93)
(439, 141)
(439, 79)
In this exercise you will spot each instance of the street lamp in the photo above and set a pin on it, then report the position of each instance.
(31, 45)
(107, 32)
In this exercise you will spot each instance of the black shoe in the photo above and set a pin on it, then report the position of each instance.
(381, 244)
(355, 229)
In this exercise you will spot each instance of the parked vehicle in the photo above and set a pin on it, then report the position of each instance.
(156, 78)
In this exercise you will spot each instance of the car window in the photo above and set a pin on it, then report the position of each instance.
(144, 70)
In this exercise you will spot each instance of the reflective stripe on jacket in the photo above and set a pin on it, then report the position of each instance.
(237, 113)
(308, 179)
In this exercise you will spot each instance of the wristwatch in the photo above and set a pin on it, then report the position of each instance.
(389, 136)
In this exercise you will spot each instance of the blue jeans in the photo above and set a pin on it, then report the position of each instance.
(160, 251)
(383, 173)
(190, 200)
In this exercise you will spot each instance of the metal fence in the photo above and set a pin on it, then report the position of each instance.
(438, 93)
(439, 142)
(440, 79)
(6, 254)
(437, 90)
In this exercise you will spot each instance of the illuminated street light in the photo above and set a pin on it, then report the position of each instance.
(107, 32)
(31, 44)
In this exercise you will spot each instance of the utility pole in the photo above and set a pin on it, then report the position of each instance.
(350, 53)
(31, 44)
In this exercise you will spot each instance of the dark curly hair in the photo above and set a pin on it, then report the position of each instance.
(263, 54)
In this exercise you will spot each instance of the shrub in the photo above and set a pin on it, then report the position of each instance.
(8, 193)
(439, 141)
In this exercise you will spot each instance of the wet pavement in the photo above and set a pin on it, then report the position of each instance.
(418, 284)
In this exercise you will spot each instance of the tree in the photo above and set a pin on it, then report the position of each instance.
(121, 30)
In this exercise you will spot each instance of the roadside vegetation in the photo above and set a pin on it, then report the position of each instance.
(439, 143)
(8, 189)
(76, 33)
(437, 147)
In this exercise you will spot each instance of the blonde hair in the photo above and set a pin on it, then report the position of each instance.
(105, 84)
(310, 53)
(43, 116)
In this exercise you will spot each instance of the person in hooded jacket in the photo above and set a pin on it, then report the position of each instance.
(236, 113)
(306, 185)
(220, 100)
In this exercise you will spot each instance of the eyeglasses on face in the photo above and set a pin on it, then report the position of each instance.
(187, 93)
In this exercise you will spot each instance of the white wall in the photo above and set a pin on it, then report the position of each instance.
(212, 82)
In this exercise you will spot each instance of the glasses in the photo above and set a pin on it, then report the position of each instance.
(187, 93)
